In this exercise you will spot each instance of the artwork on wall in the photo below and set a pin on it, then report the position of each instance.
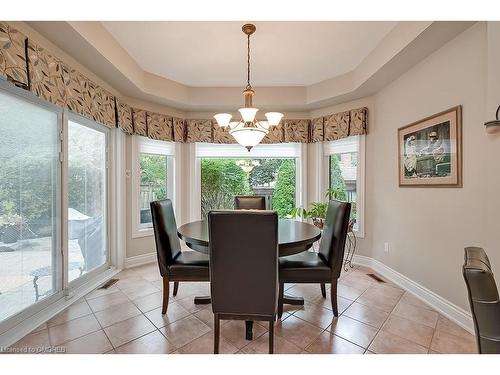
(430, 151)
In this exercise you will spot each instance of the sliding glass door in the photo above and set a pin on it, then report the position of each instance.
(29, 188)
(87, 197)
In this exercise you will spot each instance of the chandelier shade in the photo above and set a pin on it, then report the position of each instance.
(248, 132)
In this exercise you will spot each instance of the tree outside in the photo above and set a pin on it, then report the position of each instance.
(284, 194)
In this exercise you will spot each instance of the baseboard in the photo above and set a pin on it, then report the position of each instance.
(139, 260)
(26, 326)
(443, 306)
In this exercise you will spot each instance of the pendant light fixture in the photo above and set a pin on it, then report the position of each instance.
(248, 132)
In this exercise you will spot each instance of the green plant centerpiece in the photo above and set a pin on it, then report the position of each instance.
(317, 210)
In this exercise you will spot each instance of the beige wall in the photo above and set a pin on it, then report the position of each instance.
(427, 228)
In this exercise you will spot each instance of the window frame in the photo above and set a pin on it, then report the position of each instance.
(198, 151)
(339, 146)
(150, 146)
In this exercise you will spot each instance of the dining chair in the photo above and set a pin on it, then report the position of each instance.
(243, 267)
(249, 202)
(175, 265)
(325, 266)
(483, 299)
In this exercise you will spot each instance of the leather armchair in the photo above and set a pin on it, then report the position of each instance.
(175, 265)
(324, 266)
(483, 299)
(243, 267)
(249, 202)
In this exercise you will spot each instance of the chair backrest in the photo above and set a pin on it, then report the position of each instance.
(243, 262)
(483, 299)
(168, 245)
(334, 234)
(249, 202)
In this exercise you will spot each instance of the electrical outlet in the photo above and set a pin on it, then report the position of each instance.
(386, 247)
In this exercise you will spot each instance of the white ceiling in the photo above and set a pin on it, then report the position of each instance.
(202, 54)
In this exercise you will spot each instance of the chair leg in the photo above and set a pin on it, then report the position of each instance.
(280, 299)
(323, 290)
(216, 333)
(333, 297)
(271, 336)
(166, 294)
(176, 287)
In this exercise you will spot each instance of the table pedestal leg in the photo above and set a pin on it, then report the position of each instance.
(202, 300)
(293, 300)
(249, 329)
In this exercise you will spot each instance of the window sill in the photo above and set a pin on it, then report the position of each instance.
(144, 232)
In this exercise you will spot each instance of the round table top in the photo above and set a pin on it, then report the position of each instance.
(293, 236)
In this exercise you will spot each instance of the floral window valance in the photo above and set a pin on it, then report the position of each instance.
(31, 66)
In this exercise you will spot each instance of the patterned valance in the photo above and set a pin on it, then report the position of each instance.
(13, 55)
(29, 65)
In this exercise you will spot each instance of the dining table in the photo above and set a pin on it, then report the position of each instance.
(293, 237)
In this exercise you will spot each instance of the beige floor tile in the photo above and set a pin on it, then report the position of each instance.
(125, 274)
(152, 343)
(342, 303)
(206, 316)
(108, 300)
(348, 292)
(32, 344)
(102, 292)
(410, 299)
(184, 331)
(310, 292)
(328, 343)
(205, 345)
(93, 343)
(191, 289)
(131, 282)
(297, 331)
(316, 315)
(189, 305)
(387, 343)
(174, 312)
(128, 330)
(234, 331)
(365, 314)
(73, 329)
(149, 302)
(446, 325)
(146, 269)
(354, 331)
(450, 344)
(358, 282)
(261, 346)
(74, 311)
(416, 332)
(140, 290)
(383, 298)
(416, 314)
(117, 313)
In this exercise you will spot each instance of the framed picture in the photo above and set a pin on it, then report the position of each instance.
(430, 151)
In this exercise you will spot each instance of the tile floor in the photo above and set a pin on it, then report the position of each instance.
(126, 318)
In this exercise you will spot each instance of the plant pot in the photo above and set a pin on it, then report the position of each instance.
(11, 234)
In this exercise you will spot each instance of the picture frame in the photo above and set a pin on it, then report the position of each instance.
(430, 151)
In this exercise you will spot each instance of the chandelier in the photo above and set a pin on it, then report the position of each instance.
(248, 131)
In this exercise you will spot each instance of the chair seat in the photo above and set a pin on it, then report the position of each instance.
(304, 267)
(190, 264)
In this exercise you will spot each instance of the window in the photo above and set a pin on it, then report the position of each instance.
(272, 171)
(153, 174)
(345, 175)
(29, 164)
(87, 247)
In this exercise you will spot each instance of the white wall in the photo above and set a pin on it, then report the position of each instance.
(428, 228)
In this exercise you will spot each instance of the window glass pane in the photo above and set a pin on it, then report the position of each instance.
(87, 199)
(223, 179)
(343, 179)
(28, 190)
(153, 183)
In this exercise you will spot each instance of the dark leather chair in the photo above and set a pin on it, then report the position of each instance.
(249, 202)
(243, 267)
(175, 265)
(483, 299)
(324, 266)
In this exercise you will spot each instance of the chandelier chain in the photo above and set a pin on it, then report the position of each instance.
(248, 61)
